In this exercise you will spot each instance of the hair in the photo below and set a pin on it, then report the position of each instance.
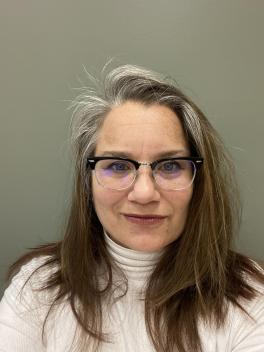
(179, 293)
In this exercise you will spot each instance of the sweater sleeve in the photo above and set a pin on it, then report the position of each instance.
(21, 314)
(249, 332)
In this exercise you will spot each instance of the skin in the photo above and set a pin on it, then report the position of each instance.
(142, 133)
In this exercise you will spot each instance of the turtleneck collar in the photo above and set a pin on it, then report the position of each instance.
(136, 265)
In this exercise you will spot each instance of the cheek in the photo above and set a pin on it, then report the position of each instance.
(105, 201)
(97, 197)
(181, 203)
(100, 201)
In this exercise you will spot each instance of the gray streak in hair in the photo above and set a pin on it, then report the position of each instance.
(122, 84)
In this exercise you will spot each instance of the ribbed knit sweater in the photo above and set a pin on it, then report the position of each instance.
(22, 316)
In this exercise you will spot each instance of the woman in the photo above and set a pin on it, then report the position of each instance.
(146, 262)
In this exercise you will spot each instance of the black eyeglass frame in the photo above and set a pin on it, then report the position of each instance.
(198, 161)
(91, 162)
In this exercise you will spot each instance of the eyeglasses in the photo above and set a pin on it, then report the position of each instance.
(170, 174)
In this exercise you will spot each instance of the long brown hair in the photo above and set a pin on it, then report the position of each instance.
(197, 275)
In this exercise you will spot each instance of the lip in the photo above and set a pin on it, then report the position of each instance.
(145, 216)
(145, 219)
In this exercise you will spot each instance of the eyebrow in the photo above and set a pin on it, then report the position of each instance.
(167, 154)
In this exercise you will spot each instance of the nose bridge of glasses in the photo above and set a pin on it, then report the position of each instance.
(143, 168)
(144, 180)
(145, 165)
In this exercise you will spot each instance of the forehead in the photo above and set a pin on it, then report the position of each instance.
(138, 128)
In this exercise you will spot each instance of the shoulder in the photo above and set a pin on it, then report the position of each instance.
(26, 287)
(246, 328)
(32, 270)
(25, 307)
(254, 305)
(243, 329)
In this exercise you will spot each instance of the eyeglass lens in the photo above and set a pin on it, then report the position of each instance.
(170, 174)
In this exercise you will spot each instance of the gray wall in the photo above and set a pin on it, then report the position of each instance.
(214, 49)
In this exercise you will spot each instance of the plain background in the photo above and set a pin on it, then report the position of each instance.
(214, 50)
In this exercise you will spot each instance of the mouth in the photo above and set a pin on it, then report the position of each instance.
(145, 219)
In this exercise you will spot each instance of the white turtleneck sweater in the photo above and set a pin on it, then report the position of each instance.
(21, 317)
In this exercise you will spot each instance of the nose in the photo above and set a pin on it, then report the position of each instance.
(144, 189)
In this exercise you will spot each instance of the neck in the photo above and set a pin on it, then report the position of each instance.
(136, 265)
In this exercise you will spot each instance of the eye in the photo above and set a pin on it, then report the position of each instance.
(116, 167)
(172, 166)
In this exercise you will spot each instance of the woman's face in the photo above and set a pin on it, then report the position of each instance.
(142, 133)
